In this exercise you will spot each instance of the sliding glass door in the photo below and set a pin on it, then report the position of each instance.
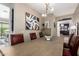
(0, 31)
(4, 30)
(4, 24)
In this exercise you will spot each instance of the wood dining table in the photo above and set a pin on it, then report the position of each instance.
(38, 47)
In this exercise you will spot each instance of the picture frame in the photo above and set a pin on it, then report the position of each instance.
(31, 22)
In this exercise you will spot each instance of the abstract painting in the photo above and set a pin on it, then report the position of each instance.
(31, 22)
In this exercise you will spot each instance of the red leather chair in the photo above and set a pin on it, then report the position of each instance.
(73, 49)
(16, 38)
(67, 45)
(33, 36)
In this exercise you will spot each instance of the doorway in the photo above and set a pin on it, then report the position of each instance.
(63, 27)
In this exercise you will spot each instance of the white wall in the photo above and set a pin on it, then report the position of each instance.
(76, 18)
(19, 20)
(76, 14)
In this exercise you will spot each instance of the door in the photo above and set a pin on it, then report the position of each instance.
(4, 24)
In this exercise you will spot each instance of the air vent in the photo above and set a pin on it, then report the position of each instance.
(65, 19)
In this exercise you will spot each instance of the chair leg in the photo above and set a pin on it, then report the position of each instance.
(2, 53)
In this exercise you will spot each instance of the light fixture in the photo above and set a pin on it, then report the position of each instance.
(73, 27)
(52, 9)
(48, 9)
(44, 15)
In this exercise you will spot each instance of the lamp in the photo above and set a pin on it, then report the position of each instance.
(47, 9)
(73, 29)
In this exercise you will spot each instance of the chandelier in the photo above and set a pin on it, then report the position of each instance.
(48, 9)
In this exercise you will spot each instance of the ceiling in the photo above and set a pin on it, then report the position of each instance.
(60, 9)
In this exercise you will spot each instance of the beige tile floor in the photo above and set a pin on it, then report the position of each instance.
(38, 47)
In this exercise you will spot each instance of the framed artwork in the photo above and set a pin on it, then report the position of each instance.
(31, 22)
